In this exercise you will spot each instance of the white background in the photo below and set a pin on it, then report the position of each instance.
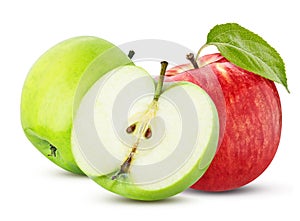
(32, 188)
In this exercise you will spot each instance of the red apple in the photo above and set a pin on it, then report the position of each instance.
(250, 120)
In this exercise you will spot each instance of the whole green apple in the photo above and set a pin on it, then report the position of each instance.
(54, 87)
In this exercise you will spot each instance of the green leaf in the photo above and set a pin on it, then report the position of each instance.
(248, 51)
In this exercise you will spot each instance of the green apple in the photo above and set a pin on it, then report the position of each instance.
(54, 87)
(141, 140)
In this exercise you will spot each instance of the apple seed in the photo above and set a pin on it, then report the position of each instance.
(148, 133)
(131, 128)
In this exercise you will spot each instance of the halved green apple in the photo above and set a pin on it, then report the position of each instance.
(143, 142)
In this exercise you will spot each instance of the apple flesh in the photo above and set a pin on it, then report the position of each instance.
(207, 80)
(54, 87)
(141, 147)
(253, 122)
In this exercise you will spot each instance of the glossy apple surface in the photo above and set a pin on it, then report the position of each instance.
(55, 86)
(253, 122)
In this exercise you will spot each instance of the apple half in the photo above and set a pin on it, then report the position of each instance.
(142, 140)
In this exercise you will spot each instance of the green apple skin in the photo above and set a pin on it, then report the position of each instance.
(54, 87)
(132, 191)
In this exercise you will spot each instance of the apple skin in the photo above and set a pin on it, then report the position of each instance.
(253, 123)
(54, 87)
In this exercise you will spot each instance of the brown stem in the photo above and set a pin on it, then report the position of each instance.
(160, 82)
(191, 58)
(131, 54)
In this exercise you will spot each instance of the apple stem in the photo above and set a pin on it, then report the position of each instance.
(160, 82)
(53, 150)
(131, 54)
(191, 58)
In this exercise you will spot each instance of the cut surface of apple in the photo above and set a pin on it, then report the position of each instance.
(141, 147)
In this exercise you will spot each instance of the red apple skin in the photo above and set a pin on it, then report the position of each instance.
(253, 123)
